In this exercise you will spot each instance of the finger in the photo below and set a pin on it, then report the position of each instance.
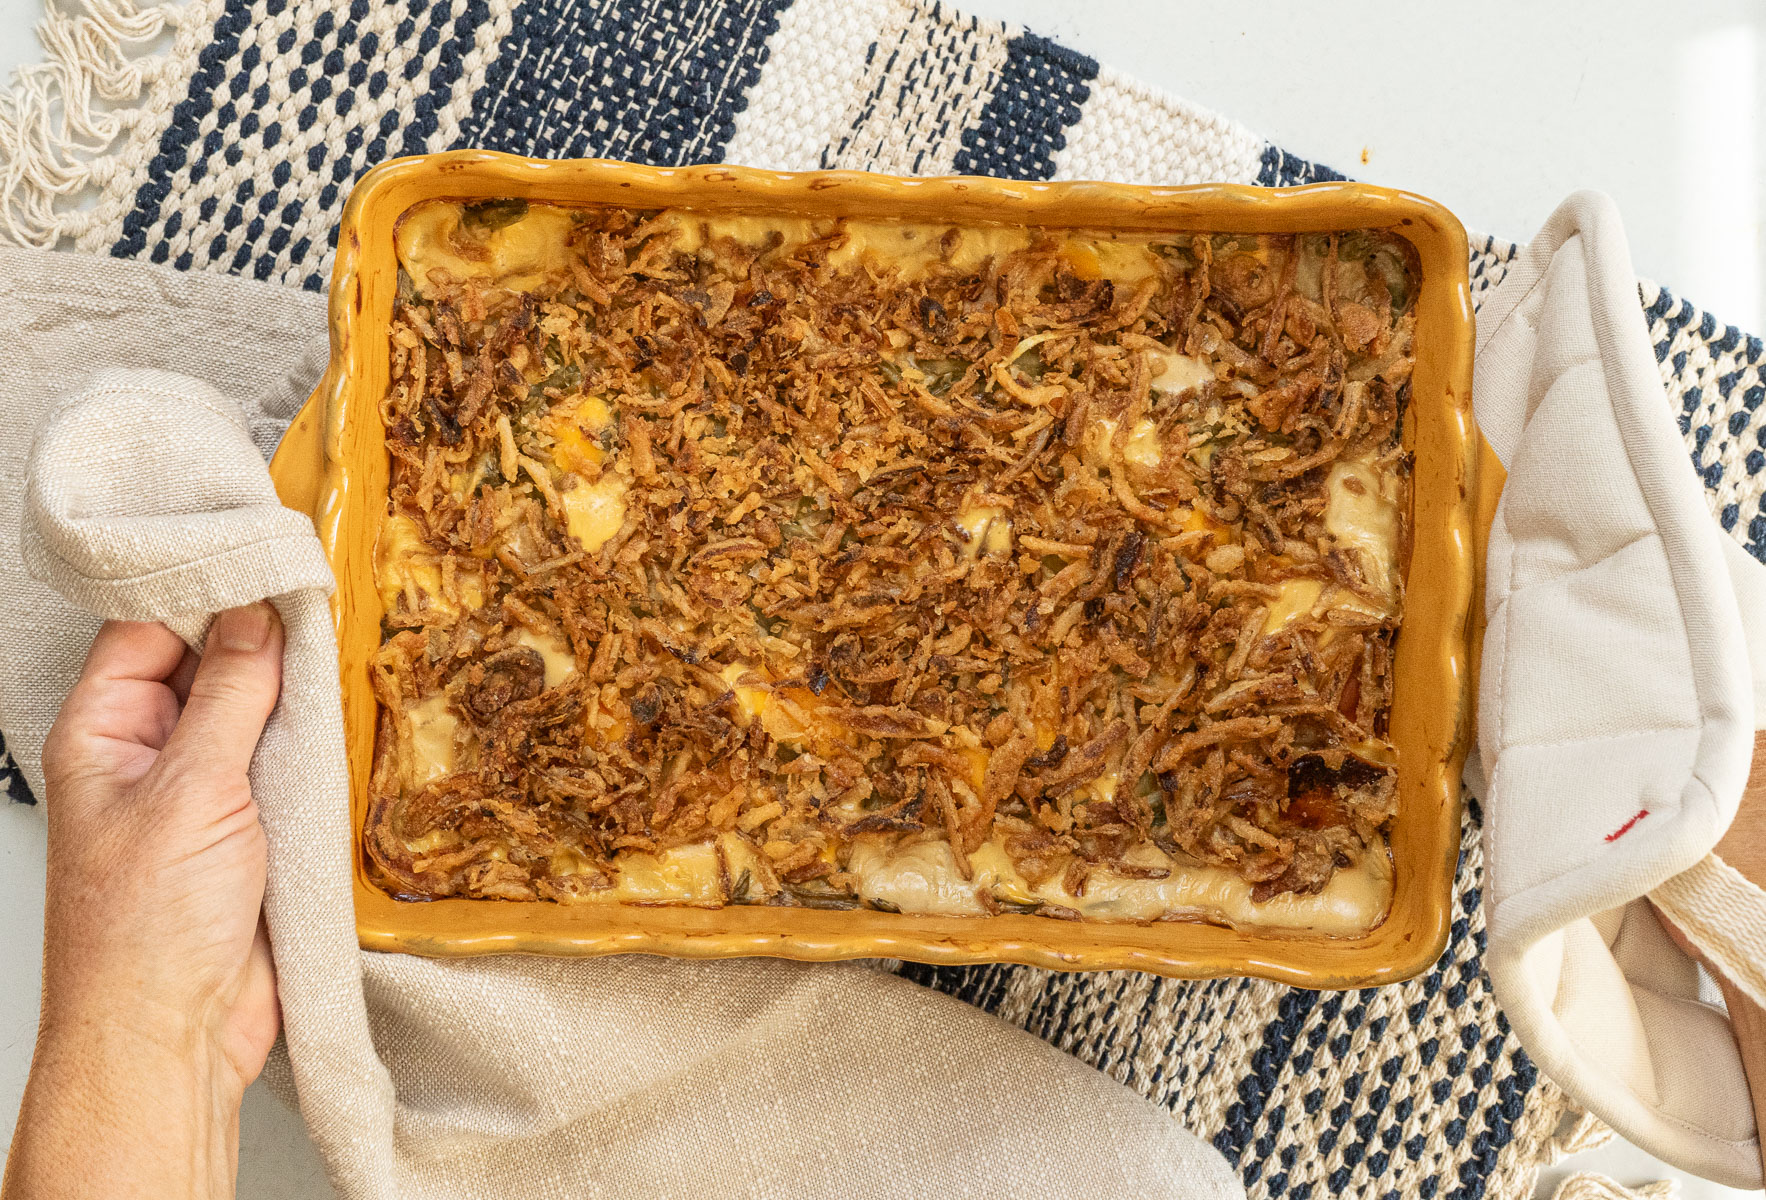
(257, 1009)
(1747, 1020)
(264, 988)
(231, 694)
(181, 676)
(133, 650)
(119, 704)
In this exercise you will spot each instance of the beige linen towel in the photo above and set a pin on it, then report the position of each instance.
(631, 1076)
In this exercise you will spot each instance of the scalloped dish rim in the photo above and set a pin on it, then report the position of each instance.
(332, 465)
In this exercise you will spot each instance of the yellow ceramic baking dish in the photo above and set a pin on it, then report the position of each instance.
(333, 464)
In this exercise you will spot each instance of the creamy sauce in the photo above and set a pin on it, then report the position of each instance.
(1181, 373)
(560, 662)
(906, 248)
(694, 231)
(405, 567)
(1141, 448)
(680, 875)
(433, 729)
(1127, 260)
(912, 249)
(986, 529)
(741, 859)
(1298, 598)
(1361, 513)
(533, 249)
(922, 877)
(521, 255)
(435, 839)
(594, 512)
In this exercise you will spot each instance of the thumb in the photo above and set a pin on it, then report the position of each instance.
(232, 693)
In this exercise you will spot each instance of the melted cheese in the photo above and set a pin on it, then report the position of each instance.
(432, 740)
(679, 875)
(792, 715)
(986, 529)
(403, 565)
(1298, 597)
(1103, 788)
(522, 255)
(1180, 373)
(594, 512)
(1361, 513)
(753, 701)
(1142, 447)
(576, 441)
(560, 662)
(977, 758)
(922, 877)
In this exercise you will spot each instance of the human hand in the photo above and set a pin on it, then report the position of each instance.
(159, 998)
(1743, 847)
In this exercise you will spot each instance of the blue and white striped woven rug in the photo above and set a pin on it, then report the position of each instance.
(235, 153)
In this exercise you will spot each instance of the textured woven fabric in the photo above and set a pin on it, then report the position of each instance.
(1719, 909)
(240, 160)
(147, 498)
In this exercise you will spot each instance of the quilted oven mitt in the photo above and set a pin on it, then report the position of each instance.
(1623, 676)
(147, 498)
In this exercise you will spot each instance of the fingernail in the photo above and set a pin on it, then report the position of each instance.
(242, 629)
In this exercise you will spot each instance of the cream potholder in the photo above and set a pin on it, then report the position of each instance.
(1624, 652)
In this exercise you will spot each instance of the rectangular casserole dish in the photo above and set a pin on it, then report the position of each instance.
(334, 465)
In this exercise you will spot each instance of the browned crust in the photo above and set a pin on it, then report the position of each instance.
(800, 440)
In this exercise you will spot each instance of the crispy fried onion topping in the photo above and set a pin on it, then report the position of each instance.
(939, 553)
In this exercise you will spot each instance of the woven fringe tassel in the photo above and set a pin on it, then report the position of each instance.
(1553, 1128)
(61, 118)
(1586, 1185)
(1579, 1131)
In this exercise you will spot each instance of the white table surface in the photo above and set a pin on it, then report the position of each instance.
(1663, 107)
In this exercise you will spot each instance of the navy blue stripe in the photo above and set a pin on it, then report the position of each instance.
(1024, 122)
(1218, 992)
(312, 79)
(650, 82)
(181, 132)
(1281, 169)
(1266, 1064)
(342, 65)
(984, 986)
(330, 58)
(17, 790)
